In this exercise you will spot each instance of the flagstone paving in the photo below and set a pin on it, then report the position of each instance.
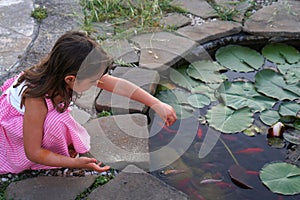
(121, 140)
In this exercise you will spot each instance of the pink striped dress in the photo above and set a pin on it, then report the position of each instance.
(60, 131)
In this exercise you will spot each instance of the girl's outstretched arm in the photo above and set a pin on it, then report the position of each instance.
(34, 117)
(125, 88)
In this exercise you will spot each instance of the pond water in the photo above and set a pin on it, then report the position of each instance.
(230, 167)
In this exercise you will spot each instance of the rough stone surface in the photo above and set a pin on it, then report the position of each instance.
(80, 115)
(146, 79)
(133, 183)
(86, 100)
(121, 50)
(278, 20)
(197, 7)
(62, 16)
(120, 140)
(49, 188)
(210, 30)
(15, 36)
(240, 6)
(175, 20)
(160, 50)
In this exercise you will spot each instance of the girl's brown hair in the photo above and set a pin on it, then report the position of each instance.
(69, 56)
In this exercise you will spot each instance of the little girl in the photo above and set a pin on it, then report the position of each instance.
(36, 128)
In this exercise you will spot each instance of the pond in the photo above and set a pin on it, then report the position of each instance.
(226, 107)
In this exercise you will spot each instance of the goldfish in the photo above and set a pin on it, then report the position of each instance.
(199, 133)
(210, 181)
(172, 171)
(250, 150)
(252, 172)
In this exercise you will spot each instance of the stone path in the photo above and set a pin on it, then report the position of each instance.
(121, 140)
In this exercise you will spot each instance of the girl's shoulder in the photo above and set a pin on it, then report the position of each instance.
(38, 104)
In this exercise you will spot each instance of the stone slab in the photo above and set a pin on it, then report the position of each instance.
(175, 20)
(48, 188)
(80, 115)
(86, 100)
(146, 79)
(281, 19)
(159, 51)
(210, 30)
(133, 183)
(15, 35)
(197, 7)
(120, 140)
(62, 16)
(121, 50)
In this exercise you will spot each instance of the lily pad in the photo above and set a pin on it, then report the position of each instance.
(276, 142)
(177, 98)
(183, 111)
(281, 53)
(291, 121)
(206, 71)
(207, 89)
(198, 100)
(292, 136)
(182, 79)
(239, 58)
(227, 120)
(273, 85)
(240, 94)
(289, 109)
(291, 72)
(281, 177)
(269, 117)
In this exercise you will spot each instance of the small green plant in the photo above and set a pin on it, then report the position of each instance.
(39, 13)
(226, 13)
(104, 114)
(124, 15)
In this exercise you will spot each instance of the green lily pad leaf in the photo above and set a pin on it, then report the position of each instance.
(289, 109)
(291, 121)
(206, 71)
(269, 117)
(281, 177)
(183, 111)
(276, 142)
(292, 136)
(175, 96)
(273, 85)
(239, 58)
(292, 76)
(207, 89)
(280, 53)
(291, 72)
(198, 100)
(178, 100)
(240, 94)
(227, 120)
(182, 79)
(252, 131)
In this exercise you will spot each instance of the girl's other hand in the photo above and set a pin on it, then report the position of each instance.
(166, 112)
(91, 163)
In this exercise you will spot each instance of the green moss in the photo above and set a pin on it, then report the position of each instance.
(39, 13)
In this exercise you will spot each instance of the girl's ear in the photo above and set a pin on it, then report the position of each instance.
(70, 79)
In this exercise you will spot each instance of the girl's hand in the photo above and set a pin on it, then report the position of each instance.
(166, 112)
(91, 163)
